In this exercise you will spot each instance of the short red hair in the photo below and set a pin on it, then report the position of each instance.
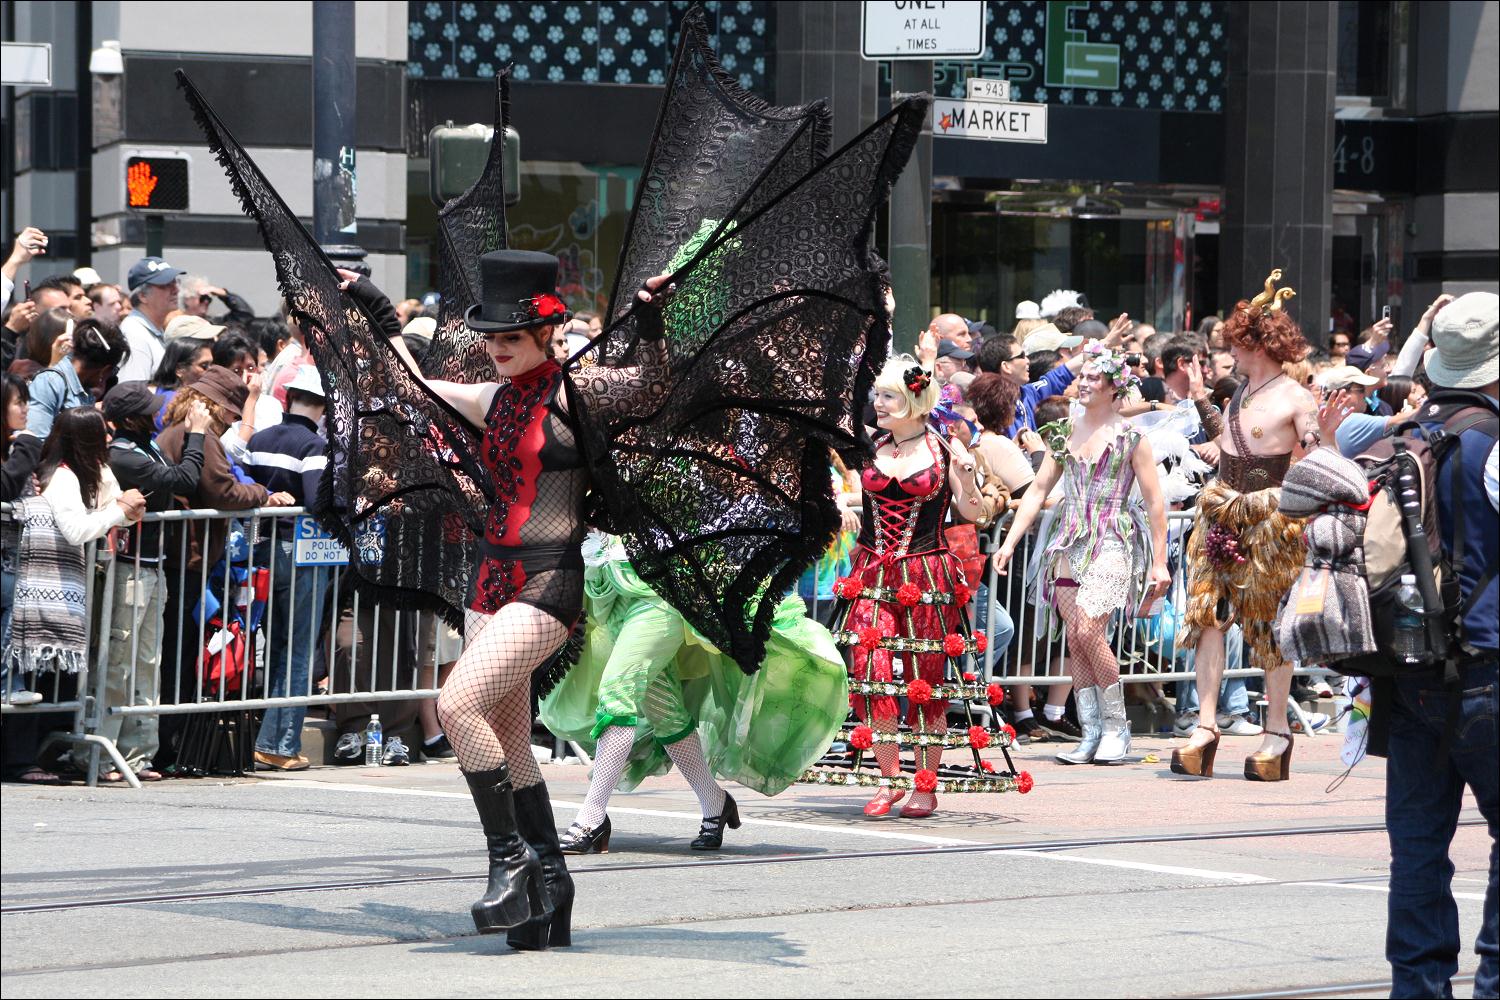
(1251, 328)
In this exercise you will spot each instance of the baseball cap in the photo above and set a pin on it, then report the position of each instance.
(1027, 309)
(421, 326)
(1364, 355)
(1048, 338)
(151, 271)
(948, 349)
(87, 277)
(127, 399)
(1466, 352)
(307, 380)
(192, 328)
(1345, 375)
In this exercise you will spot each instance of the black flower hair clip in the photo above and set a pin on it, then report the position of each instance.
(917, 379)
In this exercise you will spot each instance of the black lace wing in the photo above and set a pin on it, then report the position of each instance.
(404, 490)
(723, 492)
(714, 142)
(469, 226)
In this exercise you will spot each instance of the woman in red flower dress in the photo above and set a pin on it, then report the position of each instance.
(903, 615)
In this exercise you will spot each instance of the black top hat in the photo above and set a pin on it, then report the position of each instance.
(517, 290)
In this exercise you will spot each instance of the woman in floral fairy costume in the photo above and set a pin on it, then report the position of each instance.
(906, 599)
(1104, 550)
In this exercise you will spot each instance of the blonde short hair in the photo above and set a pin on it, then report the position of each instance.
(892, 378)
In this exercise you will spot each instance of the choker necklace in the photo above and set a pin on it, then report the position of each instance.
(898, 442)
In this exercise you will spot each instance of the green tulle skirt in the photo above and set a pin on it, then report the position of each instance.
(762, 731)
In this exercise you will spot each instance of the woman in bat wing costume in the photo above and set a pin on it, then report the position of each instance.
(705, 451)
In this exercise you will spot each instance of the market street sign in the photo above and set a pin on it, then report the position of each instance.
(987, 88)
(991, 121)
(922, 29)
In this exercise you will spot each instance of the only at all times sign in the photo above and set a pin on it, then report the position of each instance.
(922, 29)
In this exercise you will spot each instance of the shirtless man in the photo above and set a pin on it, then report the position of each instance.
(1243, 554)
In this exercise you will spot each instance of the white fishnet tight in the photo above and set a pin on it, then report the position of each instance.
(611, 756)
(1090, 657)
(485, 706)
(687, 755)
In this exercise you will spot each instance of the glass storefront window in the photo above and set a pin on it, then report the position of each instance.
(1372, 51)
(573, 210)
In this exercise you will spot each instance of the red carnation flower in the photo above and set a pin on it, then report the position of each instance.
(981, 642)
(919, 691)
(909, 594)
(862, 738)
(953, 644)
(1009, 731)
(1024, 782)
(961, 593)
(870, 637)
(925, 781)
(547, 306)
(979, 738)
(996, 694)
(970, 677)
(848, 587)
(987, 766)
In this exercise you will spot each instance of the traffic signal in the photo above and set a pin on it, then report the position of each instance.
(456, 157)
(156, 183)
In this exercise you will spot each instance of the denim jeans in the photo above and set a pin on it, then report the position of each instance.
(1422, 801)
(1234, 698)
(296, 615)
(1004, 629)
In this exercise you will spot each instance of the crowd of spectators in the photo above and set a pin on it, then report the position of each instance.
(168, 394)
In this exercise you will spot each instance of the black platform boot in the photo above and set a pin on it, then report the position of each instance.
(516, 891)
(534, 820)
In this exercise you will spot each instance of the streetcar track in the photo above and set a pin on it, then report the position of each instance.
(1330, 990)
(65, 905)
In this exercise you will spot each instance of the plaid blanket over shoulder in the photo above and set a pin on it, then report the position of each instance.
(48, 620)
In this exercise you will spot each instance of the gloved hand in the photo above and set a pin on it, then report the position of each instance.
(363, 291)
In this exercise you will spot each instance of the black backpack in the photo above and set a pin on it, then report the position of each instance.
(1402, 535)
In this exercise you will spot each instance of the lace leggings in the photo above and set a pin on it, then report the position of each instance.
(485, 705)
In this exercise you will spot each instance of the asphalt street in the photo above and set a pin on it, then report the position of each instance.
(1124, 881)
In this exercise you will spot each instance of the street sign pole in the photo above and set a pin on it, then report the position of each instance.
(334, 92)
(911, 219)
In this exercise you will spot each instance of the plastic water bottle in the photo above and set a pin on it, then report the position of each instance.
(1411, 626)
(374, 742)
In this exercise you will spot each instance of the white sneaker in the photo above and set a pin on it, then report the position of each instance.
(1237, 725)
(1315, 719)
(1185, 724)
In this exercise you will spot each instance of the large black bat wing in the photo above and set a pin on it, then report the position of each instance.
(404, 489)
(723, 491)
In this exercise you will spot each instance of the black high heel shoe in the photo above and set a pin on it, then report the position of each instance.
(582, 840)
(516, 892)
(711, 833)
(534, 820)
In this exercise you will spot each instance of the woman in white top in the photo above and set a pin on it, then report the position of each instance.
(76, 481)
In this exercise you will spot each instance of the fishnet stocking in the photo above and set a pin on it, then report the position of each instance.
(611, 755)
(485, 706)
(887, 755)
(1089, 654)
(687, 754)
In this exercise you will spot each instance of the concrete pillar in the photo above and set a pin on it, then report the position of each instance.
(1278, 155)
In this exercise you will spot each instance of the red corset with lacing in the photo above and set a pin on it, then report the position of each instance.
(906, 515)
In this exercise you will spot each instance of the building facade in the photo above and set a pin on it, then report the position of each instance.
(1192, 144)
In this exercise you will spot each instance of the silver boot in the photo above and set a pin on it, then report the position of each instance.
(1115, 744)
(1087, 700)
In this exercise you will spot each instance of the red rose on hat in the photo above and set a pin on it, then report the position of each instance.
(862, 738)
(548, 305)
(919, 691)
(925, 781)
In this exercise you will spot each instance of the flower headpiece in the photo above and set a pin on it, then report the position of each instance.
(1112, 364)
(916, 379)
(544, 306)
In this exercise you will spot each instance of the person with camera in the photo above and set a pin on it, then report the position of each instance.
(1440, 737)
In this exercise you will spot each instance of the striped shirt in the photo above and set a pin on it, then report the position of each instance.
(288, 457)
